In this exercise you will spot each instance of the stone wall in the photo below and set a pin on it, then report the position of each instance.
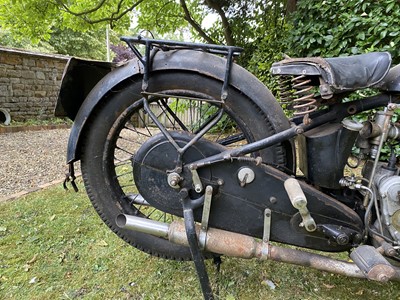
(29, 83)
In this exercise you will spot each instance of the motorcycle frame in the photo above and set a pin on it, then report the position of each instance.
(335, 113)
(99, 78)
(91, 81)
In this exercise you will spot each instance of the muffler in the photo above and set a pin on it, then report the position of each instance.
(242, 246)
(143, 225)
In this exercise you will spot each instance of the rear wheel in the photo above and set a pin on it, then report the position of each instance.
(119, 127)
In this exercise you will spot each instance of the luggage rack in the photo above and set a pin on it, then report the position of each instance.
(187, 205)
(165, 45)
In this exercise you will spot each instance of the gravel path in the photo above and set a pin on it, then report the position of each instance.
(30, 159)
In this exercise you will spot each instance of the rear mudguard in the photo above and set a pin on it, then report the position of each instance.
(188, 60)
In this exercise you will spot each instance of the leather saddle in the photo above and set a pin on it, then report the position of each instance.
(340, 73)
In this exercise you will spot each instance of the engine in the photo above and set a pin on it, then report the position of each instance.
(386, 190)
(389, 195)
(328, 147)
(382, 191)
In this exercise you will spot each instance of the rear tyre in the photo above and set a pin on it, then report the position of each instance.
(120, 125)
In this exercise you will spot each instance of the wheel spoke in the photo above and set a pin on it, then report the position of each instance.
(123, 174)
(208, 121)
(195, 116)
(122, 162)
(137, 199)
(129, 140)
(191, 116)
(232, 139)
(145, 126)
(173, 115)
(137, 132)
(152, 212)
(128, 157)
(128, 185)
(126, 151)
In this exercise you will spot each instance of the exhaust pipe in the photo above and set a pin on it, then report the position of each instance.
(243, 246)
(143, 225)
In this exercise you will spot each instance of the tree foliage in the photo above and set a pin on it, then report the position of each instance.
(268, 41)
(262, 27)
(51, 26)
(236, 22)
(338, 27)
(89, 44)
(37, 19)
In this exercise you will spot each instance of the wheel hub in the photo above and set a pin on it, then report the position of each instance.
(160, 174)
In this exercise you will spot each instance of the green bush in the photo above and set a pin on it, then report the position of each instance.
(337, 27)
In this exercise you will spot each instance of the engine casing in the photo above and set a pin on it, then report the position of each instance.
(389, 192)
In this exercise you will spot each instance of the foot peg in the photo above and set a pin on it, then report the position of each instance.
(299, 201)
(373, 265)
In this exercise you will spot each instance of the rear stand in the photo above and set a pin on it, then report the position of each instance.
(198, 259)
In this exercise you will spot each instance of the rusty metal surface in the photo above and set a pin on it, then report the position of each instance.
(373, 264)
(218, 241)
(315, 261)
(242, 246)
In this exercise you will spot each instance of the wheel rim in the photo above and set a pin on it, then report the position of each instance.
(134, 127)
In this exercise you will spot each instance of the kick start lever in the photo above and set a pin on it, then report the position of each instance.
(299, 201)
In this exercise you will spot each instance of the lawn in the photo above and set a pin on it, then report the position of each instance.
(53, 246)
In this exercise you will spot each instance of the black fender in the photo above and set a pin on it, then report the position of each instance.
(188, 60)
(79, 78)
(78, 107)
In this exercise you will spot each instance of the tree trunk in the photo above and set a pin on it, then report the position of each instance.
(290, 6)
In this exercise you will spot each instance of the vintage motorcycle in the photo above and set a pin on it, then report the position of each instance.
(185, 155)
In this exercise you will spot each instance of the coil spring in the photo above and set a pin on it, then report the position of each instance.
(285, 89)
(305, 103)
(297, 92)
(257, 160)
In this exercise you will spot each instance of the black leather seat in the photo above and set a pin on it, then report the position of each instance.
(341, 73)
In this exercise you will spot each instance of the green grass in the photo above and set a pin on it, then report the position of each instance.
(38, 122)
(56, 237)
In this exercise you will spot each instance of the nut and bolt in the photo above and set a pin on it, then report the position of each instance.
(198, 188)
(173, 180)
(299, 130)
(342, 239)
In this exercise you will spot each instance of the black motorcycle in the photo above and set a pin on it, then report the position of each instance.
(185, 155)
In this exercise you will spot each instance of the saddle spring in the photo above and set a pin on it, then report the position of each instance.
(296, 92)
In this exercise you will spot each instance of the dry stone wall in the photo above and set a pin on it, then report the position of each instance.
(29, 83)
